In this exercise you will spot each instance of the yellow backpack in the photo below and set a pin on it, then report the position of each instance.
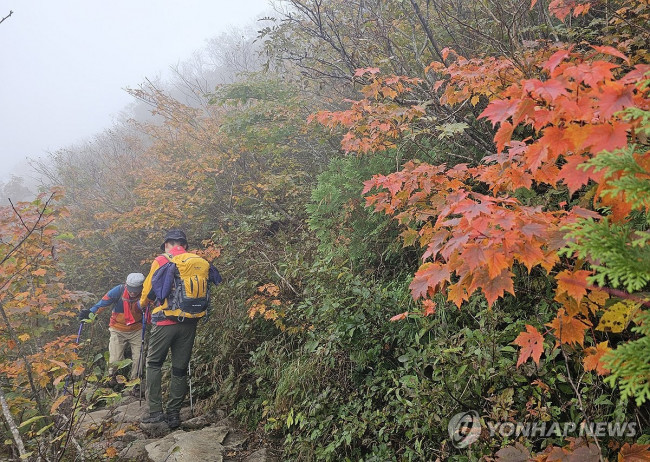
(184, 284)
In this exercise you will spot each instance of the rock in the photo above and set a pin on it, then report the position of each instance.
(217, 415)
(235, 439)
(226, 422)
(261, 455)
(155, 430)
(131, 412)
(92, 420)
(135, 451)
(181, 446)
(186, 414)
(195, 423)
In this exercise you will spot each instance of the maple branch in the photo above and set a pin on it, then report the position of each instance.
(622, 294)
(29, 231)
(13, 207)
(579, 397)
(16, 273)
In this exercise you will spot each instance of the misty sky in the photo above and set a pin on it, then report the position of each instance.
(64, 63)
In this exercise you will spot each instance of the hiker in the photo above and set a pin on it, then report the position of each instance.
(178, 288)
(125, 324)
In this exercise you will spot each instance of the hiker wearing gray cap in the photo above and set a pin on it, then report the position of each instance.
(125, 323)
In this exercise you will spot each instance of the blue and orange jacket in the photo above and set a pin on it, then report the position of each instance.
(148, 297)
(118, 321)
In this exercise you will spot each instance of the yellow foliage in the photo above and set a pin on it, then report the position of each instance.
(617, 316)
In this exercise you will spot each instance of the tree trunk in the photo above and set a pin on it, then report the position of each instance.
(12, 425)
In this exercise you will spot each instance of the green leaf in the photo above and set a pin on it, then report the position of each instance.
(31, 420)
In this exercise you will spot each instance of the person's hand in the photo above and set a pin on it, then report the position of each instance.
(84, 314)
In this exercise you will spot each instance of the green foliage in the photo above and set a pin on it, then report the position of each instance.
(346, 229)
(620, 254)
(629, 362)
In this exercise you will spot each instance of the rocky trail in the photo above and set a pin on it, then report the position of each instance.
(116, 433)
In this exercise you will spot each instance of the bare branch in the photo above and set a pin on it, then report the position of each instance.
(11, 423)
(6, 17)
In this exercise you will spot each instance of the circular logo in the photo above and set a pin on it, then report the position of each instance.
(464, 428)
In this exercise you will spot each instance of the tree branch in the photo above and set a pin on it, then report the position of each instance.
(12, 424)
(6, 17)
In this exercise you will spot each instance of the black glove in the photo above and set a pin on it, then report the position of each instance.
(84, 314)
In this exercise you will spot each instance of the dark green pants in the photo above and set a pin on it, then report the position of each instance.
(179, 338)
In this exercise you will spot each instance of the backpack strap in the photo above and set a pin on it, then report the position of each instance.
(163, 259)
(121, 297)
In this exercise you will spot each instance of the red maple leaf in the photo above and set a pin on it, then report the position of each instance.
(571, 175)
(531, 343)
(568, 329)
(593, 358)
(556, 59)
(495, 287)
(615, 97)
(608, 136)
(430, 275)
(399, 317)
(548, 90)
(499, 110)
(607, 50)
(573, 283)
(429, 307)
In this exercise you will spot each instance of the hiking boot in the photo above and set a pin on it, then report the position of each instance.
(174, 419)
(154, 417)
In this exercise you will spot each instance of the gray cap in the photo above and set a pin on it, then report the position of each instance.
(134, 282)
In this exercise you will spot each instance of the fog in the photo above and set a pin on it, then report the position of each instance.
(65, 65)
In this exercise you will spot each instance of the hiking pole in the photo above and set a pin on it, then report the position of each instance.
(142, 348)
(189, 373)
(140, 365)
(67, 379)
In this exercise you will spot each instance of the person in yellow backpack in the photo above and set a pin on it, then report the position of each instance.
(176, 309)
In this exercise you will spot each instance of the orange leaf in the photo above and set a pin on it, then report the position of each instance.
(607, 137)
(568, 329)
(58, 403)
(430, 275)
(496, 287)
(429, 307)
(615, 97)
(499, 110)
(531, 343)
(503, 135)
(593, 356)
(456, 293)
(610, 51)
(574, 177)
(39, 272)
(573, 283)
(399, 317)
(634, 453)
